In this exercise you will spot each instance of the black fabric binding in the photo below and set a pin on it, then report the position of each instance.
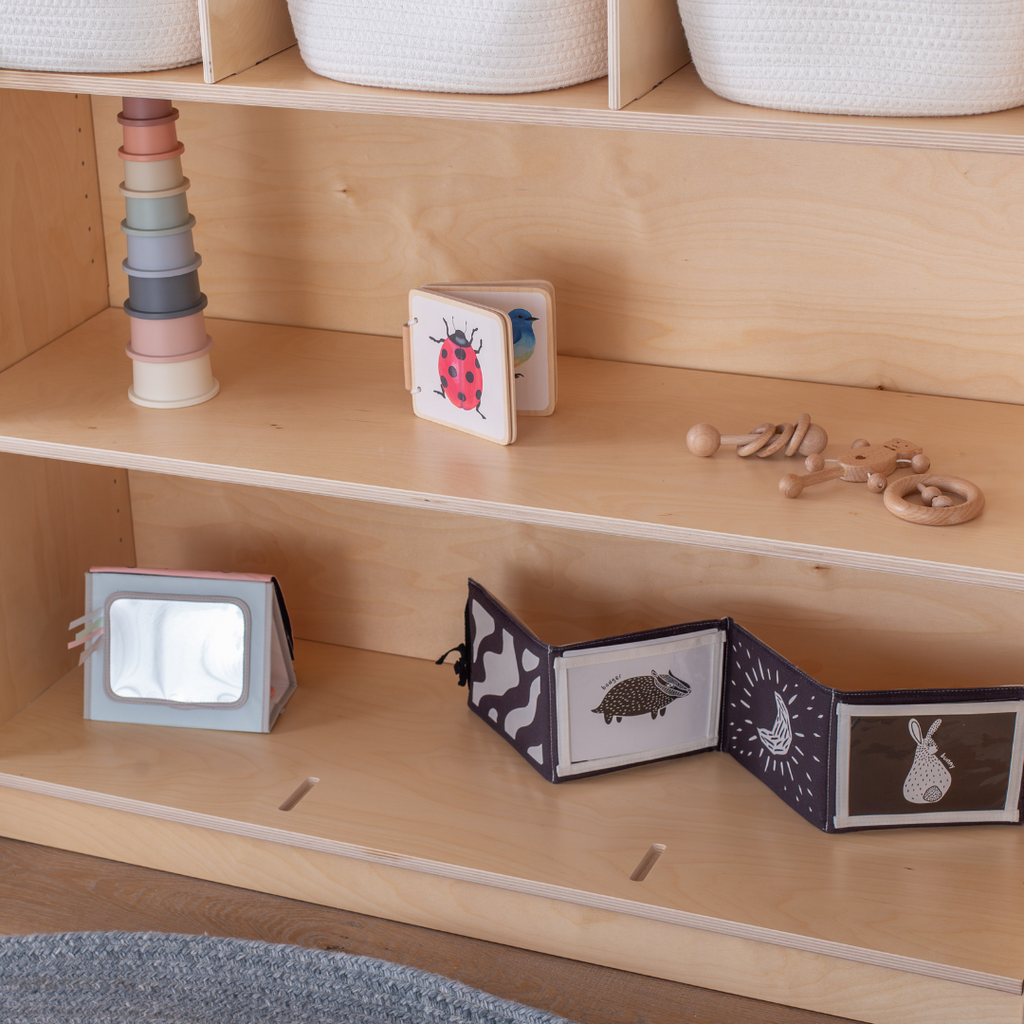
(461, 665)
(285, 620)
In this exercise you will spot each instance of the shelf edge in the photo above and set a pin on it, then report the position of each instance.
(518, 113)
(563, 894)
(866, 561)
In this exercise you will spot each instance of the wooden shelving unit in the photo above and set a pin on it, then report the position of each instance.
(309, 463)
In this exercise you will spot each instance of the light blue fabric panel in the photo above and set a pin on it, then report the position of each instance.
(250, 717)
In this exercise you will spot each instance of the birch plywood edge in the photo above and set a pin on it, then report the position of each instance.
(611, 460)
(236, 34)
(463, 807)
(583, 933)
(646, 44)
(681, 105)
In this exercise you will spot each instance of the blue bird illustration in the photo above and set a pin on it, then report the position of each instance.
(523, 339)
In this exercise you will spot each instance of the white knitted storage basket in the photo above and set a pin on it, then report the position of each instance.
(891, 57)
(474, 46)
(98, 35)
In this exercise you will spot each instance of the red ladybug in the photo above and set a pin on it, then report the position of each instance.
(458, 365)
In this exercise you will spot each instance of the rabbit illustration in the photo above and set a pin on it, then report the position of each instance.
(928, 780)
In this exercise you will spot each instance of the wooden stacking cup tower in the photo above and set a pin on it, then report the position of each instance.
(169, 347)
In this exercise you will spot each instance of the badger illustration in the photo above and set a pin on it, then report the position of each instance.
(641, 695)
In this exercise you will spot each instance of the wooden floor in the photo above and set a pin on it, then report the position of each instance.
(46, 890)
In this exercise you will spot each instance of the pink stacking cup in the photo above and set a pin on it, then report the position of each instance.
(171, 357)
(149, 137)
(177, 336)
(158, 156)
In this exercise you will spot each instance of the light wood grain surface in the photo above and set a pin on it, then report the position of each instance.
(810, 262)
(780, 974)
(682, 105)
(46, 890)
(57, 519)
(394, 579)
(321, 413)
(237, 34)
(411, 780)
(646, 44)
(53, 271)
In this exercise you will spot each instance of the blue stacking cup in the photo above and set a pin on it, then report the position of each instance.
(167, 249)
(163, 291)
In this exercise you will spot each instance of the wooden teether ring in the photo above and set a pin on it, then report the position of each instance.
(782, 435)
(974, 500)
(765, 433)
(799, 433)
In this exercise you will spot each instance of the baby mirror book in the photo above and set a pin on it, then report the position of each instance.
(843, 760)
(201, 650)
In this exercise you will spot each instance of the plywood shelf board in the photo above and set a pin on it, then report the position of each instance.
(408, 778)
(324, 413)
(681, 105)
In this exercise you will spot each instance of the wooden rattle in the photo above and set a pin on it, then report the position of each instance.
(942, 511)
(862, 463)
(804, 437)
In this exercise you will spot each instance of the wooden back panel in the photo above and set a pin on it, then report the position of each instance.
(52, 269)
(874, 267)
(394, 580)
(56, 520)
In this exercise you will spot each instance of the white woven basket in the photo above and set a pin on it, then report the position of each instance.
(98, 35)
(474, 46)
(890, 57)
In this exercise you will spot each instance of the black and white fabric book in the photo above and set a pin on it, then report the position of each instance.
(843, 760)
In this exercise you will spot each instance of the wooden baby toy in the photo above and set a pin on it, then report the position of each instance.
(862, 463)
(803, 437)
(939, 510)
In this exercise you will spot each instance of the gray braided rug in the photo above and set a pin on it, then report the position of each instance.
(139, 978)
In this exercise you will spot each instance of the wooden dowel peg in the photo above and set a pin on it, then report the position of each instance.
(791, 485)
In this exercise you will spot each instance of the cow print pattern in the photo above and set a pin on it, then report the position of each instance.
(506, 685)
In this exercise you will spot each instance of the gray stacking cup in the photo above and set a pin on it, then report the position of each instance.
(174, 314)
(155, 291)
(168, 249)
(157, 214)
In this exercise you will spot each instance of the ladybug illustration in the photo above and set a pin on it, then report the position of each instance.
(458, 365)
(641, 695)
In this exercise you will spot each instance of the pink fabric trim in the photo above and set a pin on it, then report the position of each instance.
(254, 577)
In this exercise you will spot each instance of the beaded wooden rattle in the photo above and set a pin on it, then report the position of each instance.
(803, 437)
(942, 511)
(863, 462)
